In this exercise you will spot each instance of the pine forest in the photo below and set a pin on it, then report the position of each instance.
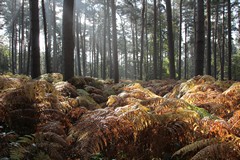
(119, 79)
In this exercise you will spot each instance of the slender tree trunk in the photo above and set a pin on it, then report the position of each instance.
(223, 43)
(104, 41)
(133, 50)
(142, 40)
(200, 39)
(125, 50)
(21, 53)
(155, 52)
(186, 57)
(114, 37)
(180, 43)
(83, 41)
(47, 54)
(13, 37)
(209, 54)
(55, 58)
(229, 42)
(109, 40)
(170, 40)
(215, 40)
(35, 65)
(78, 43)
(68, 39)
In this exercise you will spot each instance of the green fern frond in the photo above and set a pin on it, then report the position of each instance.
(42, 156)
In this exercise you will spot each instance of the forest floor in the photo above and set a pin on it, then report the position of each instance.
(87, 118)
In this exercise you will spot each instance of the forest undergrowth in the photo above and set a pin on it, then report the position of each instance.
(87, 118)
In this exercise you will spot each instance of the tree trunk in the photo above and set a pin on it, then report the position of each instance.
(180, 43)
(200, 39)
(104, 41)
(78, 44)
(21, 53)
(229, 42)
(109, 40)
(13, 37)
(142, 40)
(222, 57)
(35, 65)
(170, 40)
(186, 57)
(215, 40)
(155, 52)
(68, 39)
(55, 58)
(114, 44)
(47, 54)
(209, 59)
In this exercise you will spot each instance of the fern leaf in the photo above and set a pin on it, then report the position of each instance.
(218, 151)
(193, 148)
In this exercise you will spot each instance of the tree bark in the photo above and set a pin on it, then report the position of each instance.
(170, 40)
(229, 42)
(199, 57)
(222, 57)
(114, 44)
(142, 40)
(180, 43)
(209, 54)
(155, 52)
(68, 39)
(35, 65)
(47, 54)
(215, 40)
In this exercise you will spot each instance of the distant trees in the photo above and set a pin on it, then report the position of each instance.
(149, 36)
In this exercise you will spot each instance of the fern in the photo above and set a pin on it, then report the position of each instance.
(193, 148)
(218, 151)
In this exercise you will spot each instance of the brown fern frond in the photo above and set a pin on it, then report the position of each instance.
(52, 77)
(66, 89)
(222, 151)
(191, 149)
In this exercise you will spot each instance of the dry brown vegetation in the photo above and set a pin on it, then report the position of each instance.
(86, 118)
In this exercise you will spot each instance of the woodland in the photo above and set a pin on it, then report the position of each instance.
(119, 79)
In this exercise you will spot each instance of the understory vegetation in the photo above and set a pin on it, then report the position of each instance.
(87, 118)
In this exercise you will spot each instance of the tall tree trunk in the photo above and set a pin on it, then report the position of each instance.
(78, 43)
(180, 43)
(104, 68)
(186, 57)
(83, 44)
(13, 37)
(109, 41)
(222, 57)
(155, 52)
(47, 54)
(133, 49)
(68, 39)
(114, 44)
(170, 40)
(142, 40)
(35, 65)
(215, 40)
(125, 50)
(209, 54)
(55, 58)
(229, 42)
(200, 39)
(21, 53)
